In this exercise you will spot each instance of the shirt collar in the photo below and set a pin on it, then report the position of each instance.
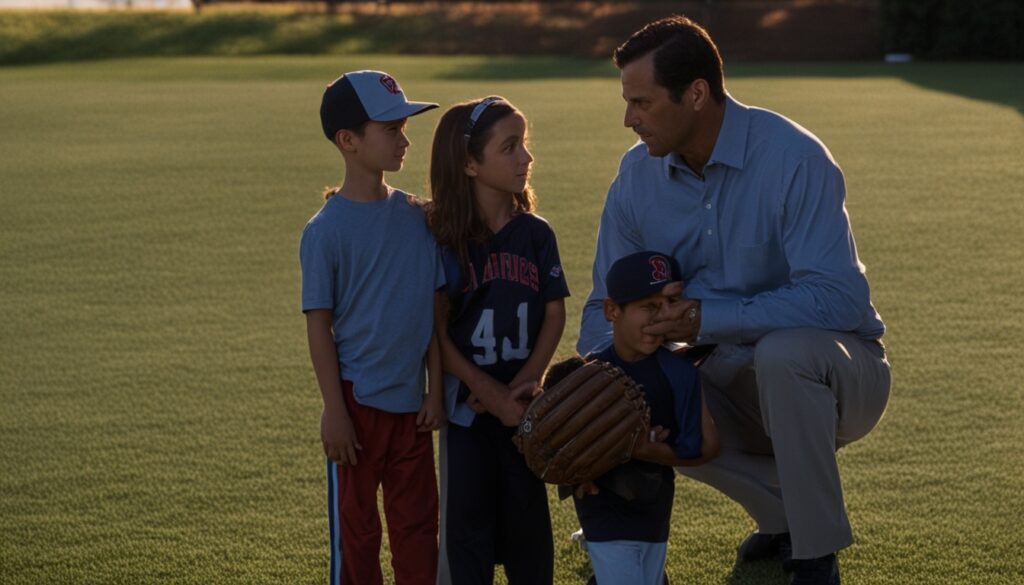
(731, 146)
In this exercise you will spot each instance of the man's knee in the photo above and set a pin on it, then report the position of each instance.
(791, 366)
(786, 351)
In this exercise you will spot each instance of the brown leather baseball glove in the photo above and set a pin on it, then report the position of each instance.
(584, 425)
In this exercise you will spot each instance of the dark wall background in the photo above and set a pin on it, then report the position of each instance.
(947, 29)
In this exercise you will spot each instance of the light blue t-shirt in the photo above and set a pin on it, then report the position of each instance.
(376, 266)
(762, 238)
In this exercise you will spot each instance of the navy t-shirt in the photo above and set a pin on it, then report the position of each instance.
(646, 517)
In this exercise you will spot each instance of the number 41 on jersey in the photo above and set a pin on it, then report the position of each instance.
(483, 338)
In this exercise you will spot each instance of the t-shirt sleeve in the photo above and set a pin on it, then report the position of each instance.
(553, 284)
(688, 443)
(318, 258)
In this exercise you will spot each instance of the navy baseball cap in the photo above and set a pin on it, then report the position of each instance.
(360, 96)
(640, 275)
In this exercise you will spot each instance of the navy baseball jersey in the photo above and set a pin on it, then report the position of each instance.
(497, 305)
(634, 501)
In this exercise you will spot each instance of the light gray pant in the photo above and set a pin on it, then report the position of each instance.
(783, 406)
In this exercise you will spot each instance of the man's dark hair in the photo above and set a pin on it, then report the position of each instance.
(683, 52)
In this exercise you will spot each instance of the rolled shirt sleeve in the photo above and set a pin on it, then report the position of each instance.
(616, 237)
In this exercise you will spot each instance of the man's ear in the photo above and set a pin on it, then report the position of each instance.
(700, 93)
(611, 310)
(346, 140)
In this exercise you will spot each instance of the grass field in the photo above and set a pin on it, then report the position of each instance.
(159, 416)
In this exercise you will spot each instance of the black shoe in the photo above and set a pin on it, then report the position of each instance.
(759, 547)
(820, 571)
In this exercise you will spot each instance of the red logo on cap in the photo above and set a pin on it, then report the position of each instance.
(390, 84)
(659, 269)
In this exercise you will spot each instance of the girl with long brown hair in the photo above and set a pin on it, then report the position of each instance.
(500, 320)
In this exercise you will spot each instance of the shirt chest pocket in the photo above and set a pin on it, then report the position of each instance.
(753, 268)
(753, 259)
(750, 227)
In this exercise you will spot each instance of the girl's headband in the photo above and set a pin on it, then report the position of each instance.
(479, 110)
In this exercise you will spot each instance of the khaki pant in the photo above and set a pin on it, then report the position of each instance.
(783, 406)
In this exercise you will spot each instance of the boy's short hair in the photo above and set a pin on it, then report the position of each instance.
(358, 97)
(640, 275)
(561, 370)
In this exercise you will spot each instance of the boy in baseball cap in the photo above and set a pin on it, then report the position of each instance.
(358, 97)
(364, 114)
(370, 267)
(626, 513)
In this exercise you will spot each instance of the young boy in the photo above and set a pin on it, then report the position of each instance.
(626, 513)
(369, 271)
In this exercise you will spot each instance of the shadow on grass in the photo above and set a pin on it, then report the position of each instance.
(999, 83)
(530, 68)
(759, 573)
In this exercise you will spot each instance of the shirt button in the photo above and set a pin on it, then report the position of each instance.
(707, 206)
(709, 232)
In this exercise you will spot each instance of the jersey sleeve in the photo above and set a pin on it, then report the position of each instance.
(553, 285)
(318, 258)
(686, 388)
(440, 278)
(451, 272)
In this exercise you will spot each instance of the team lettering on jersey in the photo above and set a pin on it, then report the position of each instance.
(507, 266)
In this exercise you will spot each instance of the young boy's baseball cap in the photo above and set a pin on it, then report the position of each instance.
(640, 275)
(360, 96)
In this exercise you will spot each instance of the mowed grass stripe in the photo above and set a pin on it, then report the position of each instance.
(160, 417)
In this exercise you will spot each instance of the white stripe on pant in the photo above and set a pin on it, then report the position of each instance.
(334, 518)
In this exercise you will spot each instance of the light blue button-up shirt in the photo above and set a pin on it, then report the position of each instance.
(763, 239)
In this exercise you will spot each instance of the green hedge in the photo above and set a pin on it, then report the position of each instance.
(954, 29)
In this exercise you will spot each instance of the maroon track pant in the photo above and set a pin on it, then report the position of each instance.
(401, 460)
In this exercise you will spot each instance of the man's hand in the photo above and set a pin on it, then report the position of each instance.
(678, 319)
(339, 437)
(430, 417)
